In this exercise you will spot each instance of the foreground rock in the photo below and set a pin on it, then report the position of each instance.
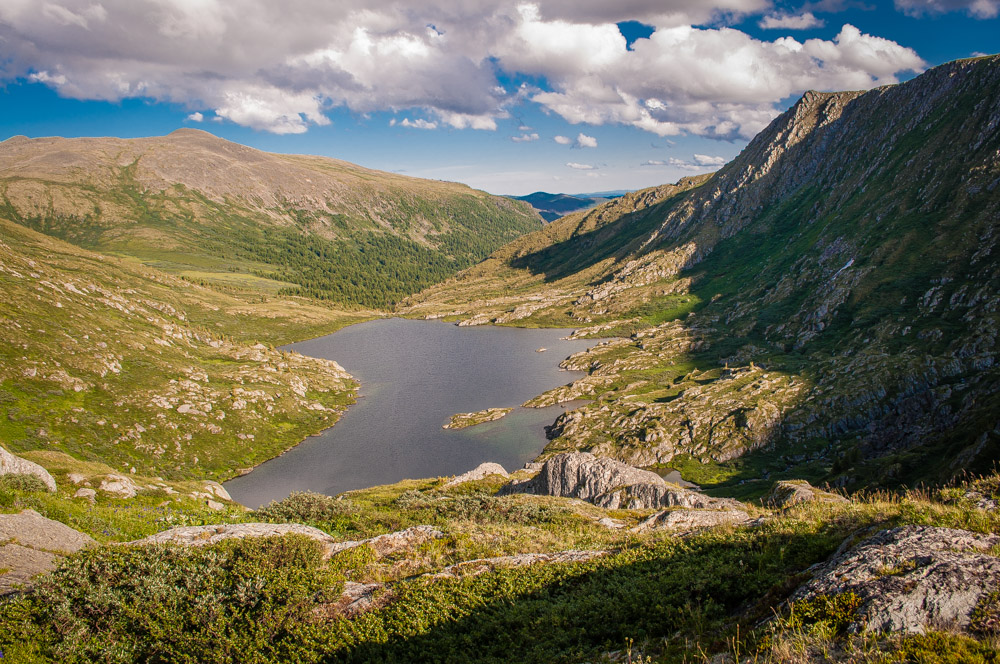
(463, 420)
(30, 544)
(391, 543)
(786, 493)
(383, 545)
(11, 464)
(481, 471)
(205, 535)
(611, 484)
(482, 565)
(359, 598)
(912, 578)
(688, 519)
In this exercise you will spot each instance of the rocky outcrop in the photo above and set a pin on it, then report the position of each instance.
(911, 578)
(691, 519)
(11, 464)
(31, 544)
(358, 598)
(482, 565)
(119, 486)
(463, 420)
(786, 493)
(355, 599)
(392, 543)
(611, 484)
(481, 471)
(382, 545)
(206, 535)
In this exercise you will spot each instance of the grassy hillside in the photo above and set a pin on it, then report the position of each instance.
(110, 361)
(653, 596)
(825, 305)
(224, 214)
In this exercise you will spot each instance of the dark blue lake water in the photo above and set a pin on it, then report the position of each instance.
(414, 375)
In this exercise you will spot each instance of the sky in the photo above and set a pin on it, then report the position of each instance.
(509, 96)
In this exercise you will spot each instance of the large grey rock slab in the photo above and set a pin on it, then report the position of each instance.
(786, 493)
(31, 544)
(481, 471)
(483, 565)
(691, 519)
(611, 484)
(31, 529)
(383, 545)
(11, 464)
(205, 535)
(391, 543)
(912, 578)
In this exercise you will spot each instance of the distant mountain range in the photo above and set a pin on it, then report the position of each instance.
(553, 206)
(225, 214)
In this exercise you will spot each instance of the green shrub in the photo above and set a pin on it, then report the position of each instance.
(833, 612)
(26, 483)
(238, 601)
(304, 507)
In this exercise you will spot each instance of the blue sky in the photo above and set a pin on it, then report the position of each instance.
(505, 95)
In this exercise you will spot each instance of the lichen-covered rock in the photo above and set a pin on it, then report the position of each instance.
(691, 519)
(205, 535)
(786, 493)
(482, 565)
(31, 544)
(610, 484)
(11, 464)
(912, 578)
(119, 485)
(390, 543)
(481, 471)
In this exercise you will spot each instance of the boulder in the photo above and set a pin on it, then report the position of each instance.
(89, 494)
(912, 578)
(217, 490)
(786, 493)
(31, 544)
(11, 464)
(119, 485)
(611, 484)
(481, 471)
(691, 519)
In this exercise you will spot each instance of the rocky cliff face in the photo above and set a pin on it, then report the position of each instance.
(829, 296)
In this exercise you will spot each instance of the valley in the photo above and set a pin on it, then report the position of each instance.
(808, 335)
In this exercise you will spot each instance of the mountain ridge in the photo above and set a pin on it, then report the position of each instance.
(209, 209)
(828, 245)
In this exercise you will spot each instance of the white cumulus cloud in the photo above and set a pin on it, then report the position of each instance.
(419, 123)
(282, 67)
(524, 138)
(978, 8)
(581, 167)
(803, 21)
(562, 140)
(584, 141)
(707, 160)
(196, 117)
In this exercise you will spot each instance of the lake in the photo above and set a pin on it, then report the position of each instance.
(414, 375)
